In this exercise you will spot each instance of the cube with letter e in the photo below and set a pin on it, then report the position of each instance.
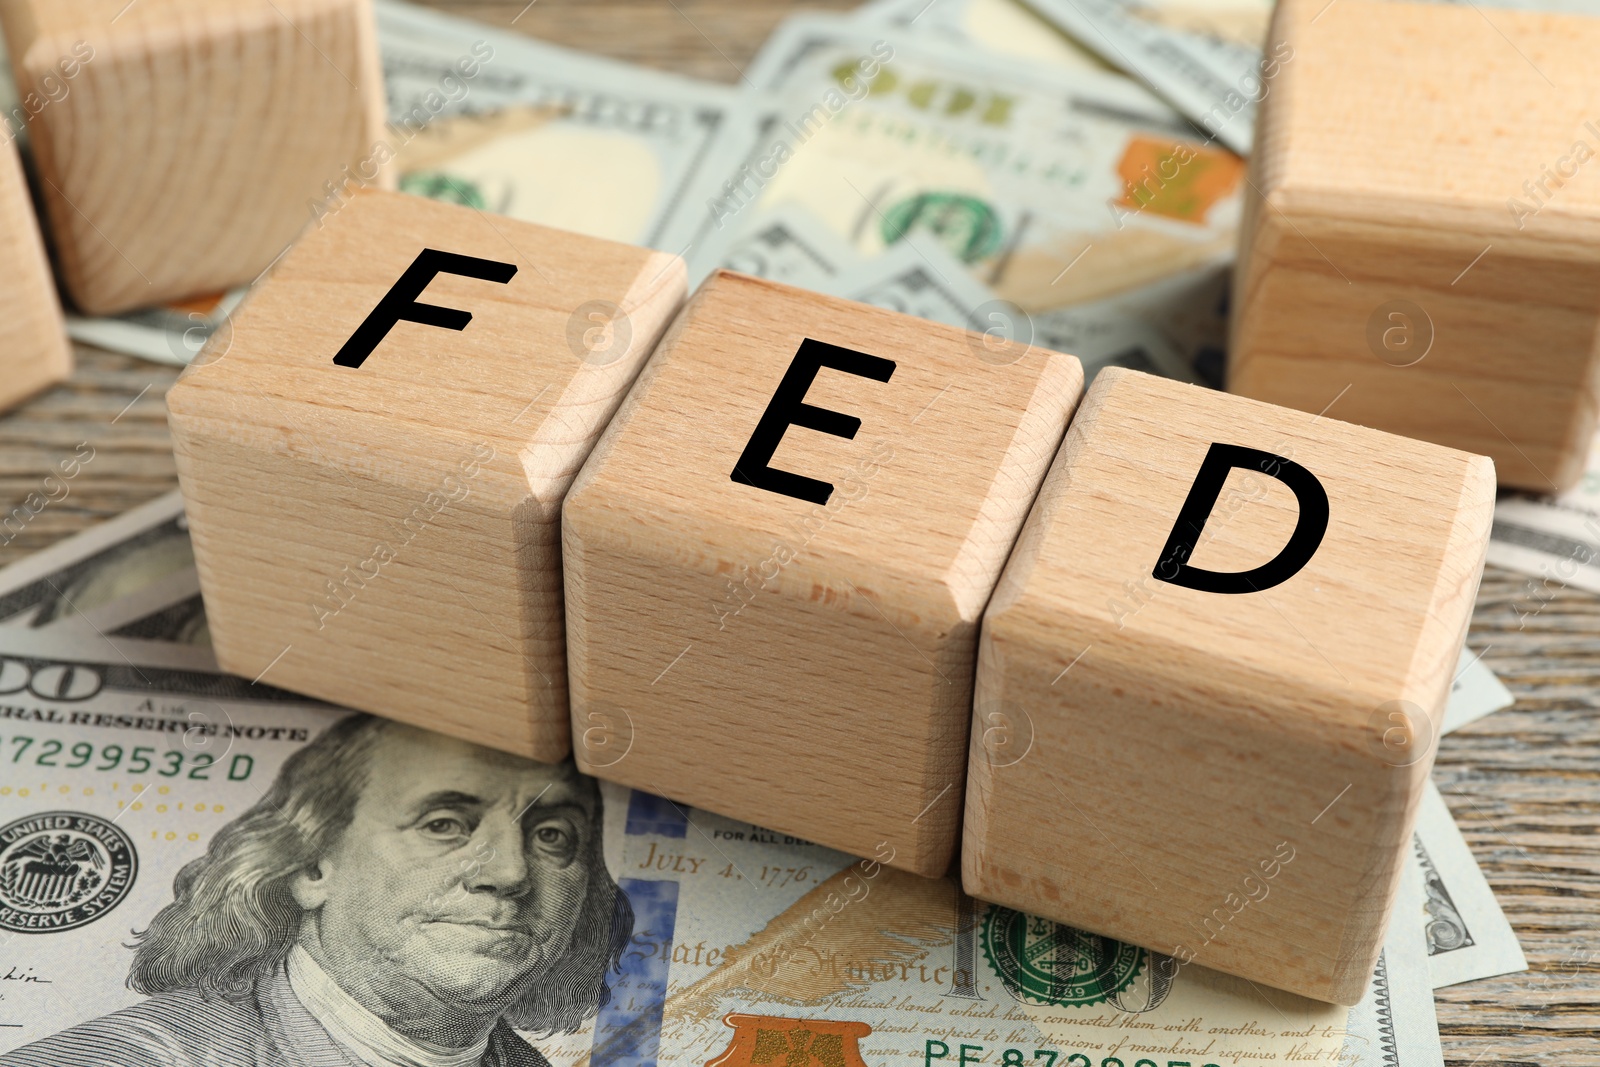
(374, 452)
(1211, 679)
(778, 554)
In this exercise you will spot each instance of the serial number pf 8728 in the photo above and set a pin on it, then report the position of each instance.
(936, 1053)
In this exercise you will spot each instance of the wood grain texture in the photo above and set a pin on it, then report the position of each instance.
(763, 656)
(435, 468)
(1421, 235)
(1524, 783)
(1261, 708)
(181, 143)
(713, 39)
(34, 351)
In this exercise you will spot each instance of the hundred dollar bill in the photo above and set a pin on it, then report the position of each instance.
(1395, 1025)
(168, 610)
(1003, 26)
(1554, 539)
(1054, 188)
(920, 277)
(1203, 57)
(1474, 693)
(195, 869)
(565, 138)
(174, 333)
(790, 245)
(98, 568)
(1468, 936)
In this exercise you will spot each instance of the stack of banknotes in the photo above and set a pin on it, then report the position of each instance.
(163, 850)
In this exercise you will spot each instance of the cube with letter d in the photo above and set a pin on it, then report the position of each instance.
(1212, 677)
(778, 554)
(374, 451)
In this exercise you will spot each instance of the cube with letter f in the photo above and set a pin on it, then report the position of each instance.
(373, 455)
(778, 554)
(1212, 676)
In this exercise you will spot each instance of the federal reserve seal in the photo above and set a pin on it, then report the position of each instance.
(1045, 962)
(62, 869)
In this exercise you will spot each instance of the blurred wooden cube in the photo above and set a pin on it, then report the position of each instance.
(34, 352)
(1211, 679)
(1422, 254)
(778, 554)
(373, 456)
(182, 144)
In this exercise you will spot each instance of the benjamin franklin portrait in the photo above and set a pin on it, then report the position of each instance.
(397, 899)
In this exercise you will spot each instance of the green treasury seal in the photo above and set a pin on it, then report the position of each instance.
(1045, 962)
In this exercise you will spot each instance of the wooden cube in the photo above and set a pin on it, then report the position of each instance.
(1211, 677)
(777, 557)
(1422, 253)
(373, 459)
(182, 144)
(34, 353)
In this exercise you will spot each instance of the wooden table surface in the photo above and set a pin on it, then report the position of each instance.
(1524, 783)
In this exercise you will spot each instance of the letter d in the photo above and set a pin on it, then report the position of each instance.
(1185, 536)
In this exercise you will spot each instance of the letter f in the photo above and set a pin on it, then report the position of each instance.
(400, 303)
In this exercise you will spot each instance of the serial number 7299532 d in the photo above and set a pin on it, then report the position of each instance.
(140, 759)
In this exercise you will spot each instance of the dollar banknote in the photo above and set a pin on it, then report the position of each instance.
(173, 333)
(100, 568)
(196, 870)
(922, 278)
(1205, 58)
(167, 610)
(562, 138)
(789, 245)
(1085, 188)
(1474, 693)
(1468, 936)
(1065, 193)
(1395, 1025)
(1006, 27)
(1554, 540)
